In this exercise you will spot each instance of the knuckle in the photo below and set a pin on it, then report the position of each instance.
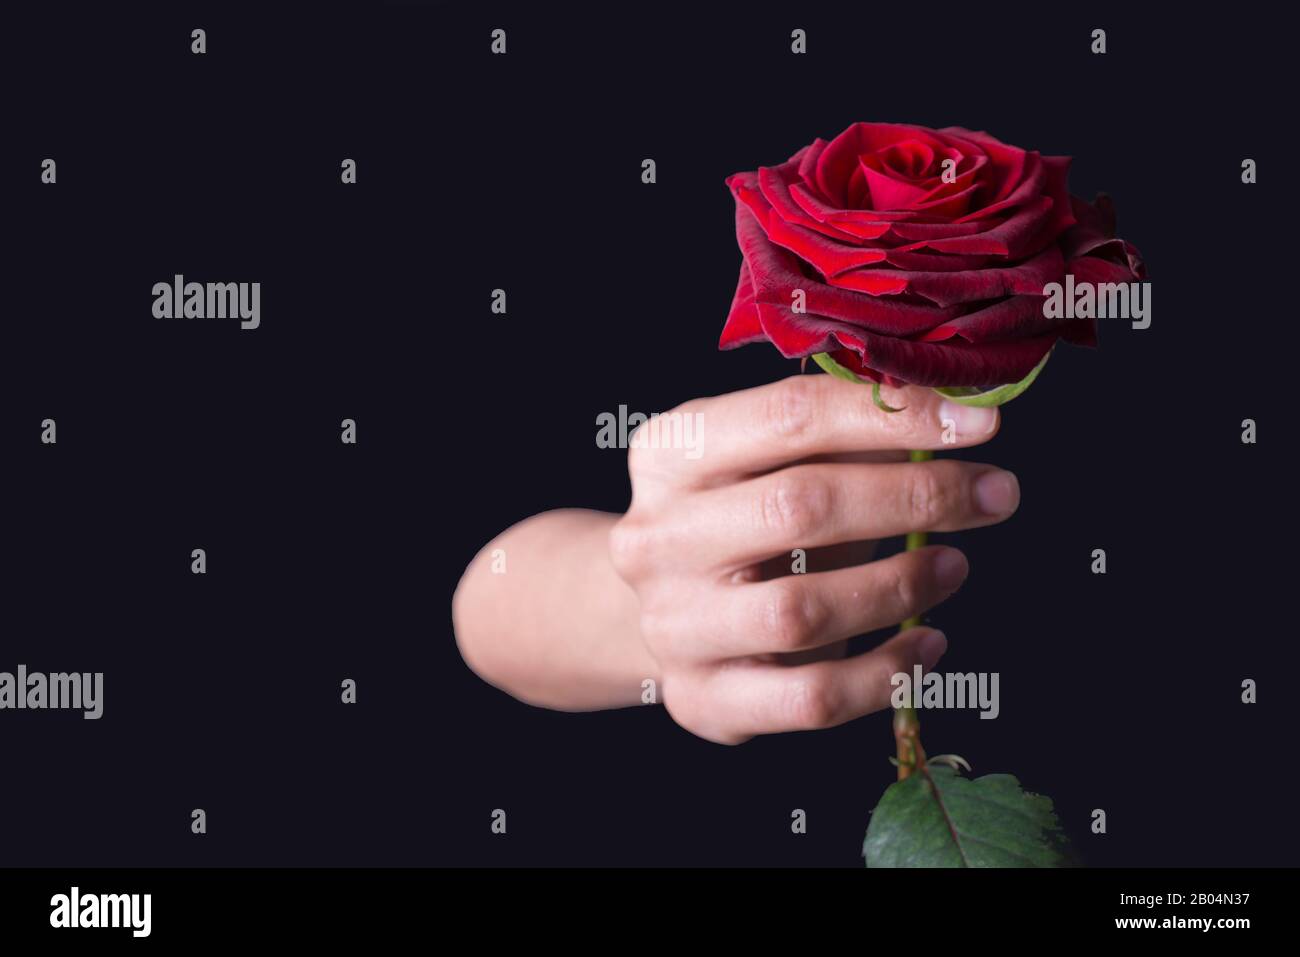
(793, 618)
(904, 427)
(788, 406)
(795, 503)
(678, 702)
(920, 420)
(929, 497)
(630, 543)
(902, 591)
(687, 704)
(656, 628)
(810, 702)
(640, 461)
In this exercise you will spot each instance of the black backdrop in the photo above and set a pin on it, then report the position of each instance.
(522, 172)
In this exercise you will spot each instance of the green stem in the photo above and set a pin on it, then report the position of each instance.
(907, 727)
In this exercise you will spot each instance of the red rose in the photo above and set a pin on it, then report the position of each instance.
(921, 255)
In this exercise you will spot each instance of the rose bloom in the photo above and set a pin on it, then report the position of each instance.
(907, 277)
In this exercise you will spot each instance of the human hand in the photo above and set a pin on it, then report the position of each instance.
(806, 463)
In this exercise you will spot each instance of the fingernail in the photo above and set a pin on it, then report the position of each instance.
(931, 648)
(969, 421)
(950, 568)
(997, 492)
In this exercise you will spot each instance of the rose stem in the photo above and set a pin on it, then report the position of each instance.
(907, 727)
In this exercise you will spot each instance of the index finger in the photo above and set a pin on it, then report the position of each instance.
(756, 430)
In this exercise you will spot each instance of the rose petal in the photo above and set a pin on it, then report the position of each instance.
(1093, 235)
(926, 282)
(823, 212)
(774, 184)
(1013, 236)
(887, 192)
(974, 285)
(1096, 270)
(776, 275)
(840, 157)
(1009, 164)
(952, 363)
(1012, 318)
(742, 326)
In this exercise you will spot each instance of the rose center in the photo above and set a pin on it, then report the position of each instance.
(910, 159)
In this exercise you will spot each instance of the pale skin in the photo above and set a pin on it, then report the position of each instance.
(694, 588)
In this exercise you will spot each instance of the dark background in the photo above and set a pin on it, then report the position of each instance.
(522, 172)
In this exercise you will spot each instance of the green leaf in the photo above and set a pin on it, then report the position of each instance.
(881, 404)
(937, 818)
(828, 364)
(966, 395)
(961, 394)
(824, 360)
